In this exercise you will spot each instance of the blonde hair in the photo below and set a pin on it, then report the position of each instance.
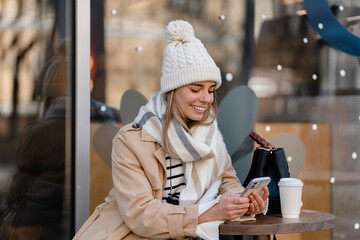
(173, 110)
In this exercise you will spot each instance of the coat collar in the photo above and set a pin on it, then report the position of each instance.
(147, 137)
(159, 153)
(144, 135)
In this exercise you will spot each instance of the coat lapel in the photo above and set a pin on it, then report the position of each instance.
(160, 155)
(159, 152)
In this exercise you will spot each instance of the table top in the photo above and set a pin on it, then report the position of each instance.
(274, 224)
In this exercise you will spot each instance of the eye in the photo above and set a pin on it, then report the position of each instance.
(194, 90)
(212, 90)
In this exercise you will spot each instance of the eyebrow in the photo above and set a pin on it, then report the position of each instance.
(202, 85)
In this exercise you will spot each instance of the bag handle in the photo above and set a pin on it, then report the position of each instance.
(262, 142)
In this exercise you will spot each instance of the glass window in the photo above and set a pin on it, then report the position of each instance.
(35, 119)
(306, 88)
(308, 91)
(127, 40)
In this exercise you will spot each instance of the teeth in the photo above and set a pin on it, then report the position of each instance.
(199, 108)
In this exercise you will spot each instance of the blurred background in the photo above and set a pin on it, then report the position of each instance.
(306, 88)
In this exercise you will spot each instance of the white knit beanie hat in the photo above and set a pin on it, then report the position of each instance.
(185, 59)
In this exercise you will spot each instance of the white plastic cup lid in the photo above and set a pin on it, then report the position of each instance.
(290, 182)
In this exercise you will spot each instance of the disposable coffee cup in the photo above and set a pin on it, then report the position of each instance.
(290, 197)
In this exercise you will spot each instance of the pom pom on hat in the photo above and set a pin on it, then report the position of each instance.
(185, 59)
(178, 30)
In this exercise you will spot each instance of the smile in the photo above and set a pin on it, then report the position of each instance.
(199, 109)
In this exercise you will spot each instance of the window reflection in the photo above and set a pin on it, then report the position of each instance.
(266, 44)
(34, 114)
(37, 186)
(304, 85)
(322, 91)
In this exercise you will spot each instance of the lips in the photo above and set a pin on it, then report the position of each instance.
(199, 109)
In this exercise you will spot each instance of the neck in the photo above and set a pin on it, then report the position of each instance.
(190, 123)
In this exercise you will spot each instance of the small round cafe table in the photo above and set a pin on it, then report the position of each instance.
(265, 225)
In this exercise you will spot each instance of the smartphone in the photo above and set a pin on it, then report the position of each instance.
(256, 184)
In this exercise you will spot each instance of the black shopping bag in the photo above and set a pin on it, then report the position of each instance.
(269, 161)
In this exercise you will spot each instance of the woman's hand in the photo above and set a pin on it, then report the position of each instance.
(257, 202)
(230, 206)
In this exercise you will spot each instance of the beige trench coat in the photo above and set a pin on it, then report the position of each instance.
(139, 176)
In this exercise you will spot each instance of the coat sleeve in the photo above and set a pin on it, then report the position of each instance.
(142, 213)
(230, 181)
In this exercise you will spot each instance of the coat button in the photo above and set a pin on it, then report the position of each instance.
(135, 126)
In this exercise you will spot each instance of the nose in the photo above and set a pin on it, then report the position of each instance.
(207, 97)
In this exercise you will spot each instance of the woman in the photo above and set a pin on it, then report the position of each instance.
(170, 167)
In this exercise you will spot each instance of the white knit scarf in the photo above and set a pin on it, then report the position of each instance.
(202, 150)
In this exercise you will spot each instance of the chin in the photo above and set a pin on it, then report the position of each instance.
(196, 118)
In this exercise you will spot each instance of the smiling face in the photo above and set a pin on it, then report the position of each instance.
(194, 99)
